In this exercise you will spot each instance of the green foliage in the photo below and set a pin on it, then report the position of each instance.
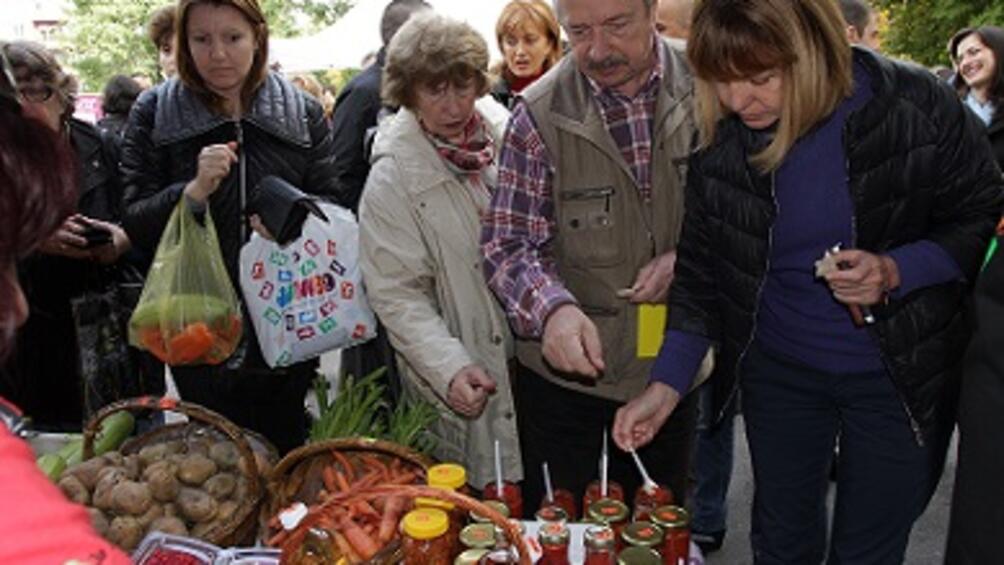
(920, 29)
(108, 37)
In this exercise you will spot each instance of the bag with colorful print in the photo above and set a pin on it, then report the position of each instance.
(307, 298)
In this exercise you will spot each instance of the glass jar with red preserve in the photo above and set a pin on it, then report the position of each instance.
(675, 524)
(478, 536)
(642, 534)
(511, 495)
(495, 505)
(563, 499)
(499, 557)
(593, 493)
(502, 539)
(554, 538)
(425, 539)
(645, 501)
(613, 513)
(600, 544)
(552, 514)
(638, 556)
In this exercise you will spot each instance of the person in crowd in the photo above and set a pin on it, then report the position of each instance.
(37, 175)
(357, 110)
(582, 231)
(862, 24)
(807, 144)
(44, 374)
(161, 31)
(208, 137)
(529, 38)
(976, 53)
(119, 95)
(672, 18)
(143, 80)
(714, 441)
(432, 177)
(309, 84)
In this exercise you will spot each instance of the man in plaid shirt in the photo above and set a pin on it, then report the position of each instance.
(582, 230)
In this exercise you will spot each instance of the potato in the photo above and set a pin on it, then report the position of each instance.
(195, 505)
(87, 471)
(115, 459)
(133, 466)
(125, 532)
(130, 497)
(110, 477)
(163, 483)
(226, 511)
(99, 521)
(153, 453)
(220, 486)
(225, 454)
(155, 512)
(74, 489)
(170, 509)
(195, 469)
(243, 489)
(198, 445)
(169, 525)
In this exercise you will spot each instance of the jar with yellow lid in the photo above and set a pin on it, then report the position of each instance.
(450, 477)
(425, 539)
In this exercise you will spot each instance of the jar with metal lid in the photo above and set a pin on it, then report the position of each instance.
(511, 495)
(470, 557)
(499, 557)
(648, 499)
(564, 499)
(642, 534)
(594, 492)
(613, 513)
(554, 538)
(638, 556)
(552, 514)
(600, 545)
(501, 539)
(495, 505)
(425, 538)
(675, 524)
(478, 536)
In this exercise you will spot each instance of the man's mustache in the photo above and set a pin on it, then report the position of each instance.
(606, 64)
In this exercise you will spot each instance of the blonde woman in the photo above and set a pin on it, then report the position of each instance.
(529, 38)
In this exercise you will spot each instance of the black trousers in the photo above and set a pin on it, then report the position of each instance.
(565, 428)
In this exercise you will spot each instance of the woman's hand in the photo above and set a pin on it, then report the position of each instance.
(863, 278)
(469, 391)
(638, 421)
(214, 166)
(68, 241)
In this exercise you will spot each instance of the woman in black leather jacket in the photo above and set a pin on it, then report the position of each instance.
(836, 216)
(209, 136)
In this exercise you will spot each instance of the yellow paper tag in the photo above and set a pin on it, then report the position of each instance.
(651, 329)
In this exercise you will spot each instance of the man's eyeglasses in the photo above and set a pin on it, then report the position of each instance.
(35, 93)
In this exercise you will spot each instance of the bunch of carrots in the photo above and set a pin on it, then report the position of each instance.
(359, 525)
(195, 343)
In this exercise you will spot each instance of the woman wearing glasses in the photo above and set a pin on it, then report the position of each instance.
(432, 178)
(43, 376)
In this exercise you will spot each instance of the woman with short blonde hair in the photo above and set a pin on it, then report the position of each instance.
(529, 39)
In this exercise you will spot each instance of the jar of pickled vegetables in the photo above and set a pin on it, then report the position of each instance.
(613, 513)
(554, 538)
(425, 539)
(600, 545)
(675, 524)
(648, 499)
(478, 536)
(642, 534)
(511, 495)
(594, 493)
(638, 556)
(552, 514)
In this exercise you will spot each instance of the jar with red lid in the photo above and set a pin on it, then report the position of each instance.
(642, 534)
(425, 539)
(552, 514)
(554, 538)
(600, 544)
(593, 493)
(645, 501)
(564, 499)
(613, 513)
(511, 495)
(675, 524)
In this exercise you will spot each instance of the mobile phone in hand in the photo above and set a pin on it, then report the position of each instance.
(96, 236)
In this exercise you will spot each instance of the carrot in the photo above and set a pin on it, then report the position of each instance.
(350, 472)
(375, 463)
(391, 515)
(364, 508)
(341, 481)
(190, 344)
(345, 548)
(330, 481)
(358, 539)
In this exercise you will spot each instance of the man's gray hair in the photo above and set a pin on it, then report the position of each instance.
(856, 13)
(561, 14)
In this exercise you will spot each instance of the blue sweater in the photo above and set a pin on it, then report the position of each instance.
(797, 315)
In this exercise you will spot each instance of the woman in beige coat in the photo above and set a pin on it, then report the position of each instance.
(432, 177)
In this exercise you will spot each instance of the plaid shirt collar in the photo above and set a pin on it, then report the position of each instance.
(649, 90)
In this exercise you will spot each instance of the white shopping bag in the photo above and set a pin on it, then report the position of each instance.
(307, 298)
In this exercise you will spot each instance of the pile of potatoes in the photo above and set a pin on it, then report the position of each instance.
(187, 488)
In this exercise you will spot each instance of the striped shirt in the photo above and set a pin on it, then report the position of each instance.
(520, 222)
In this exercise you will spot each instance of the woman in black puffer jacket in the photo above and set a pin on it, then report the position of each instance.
(209, 136)
(809, 145)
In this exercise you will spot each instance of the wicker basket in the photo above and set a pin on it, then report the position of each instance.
(240, 530)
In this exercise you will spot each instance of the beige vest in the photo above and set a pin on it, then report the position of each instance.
(605, 231)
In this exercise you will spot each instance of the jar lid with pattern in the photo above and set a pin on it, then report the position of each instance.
(671, 517)
(496, 505)
(638, 556)
(425, 523)
(642, 534)
(552, 514)
(478, 536)
(446, 475)
(608, 511)
(554, 533)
